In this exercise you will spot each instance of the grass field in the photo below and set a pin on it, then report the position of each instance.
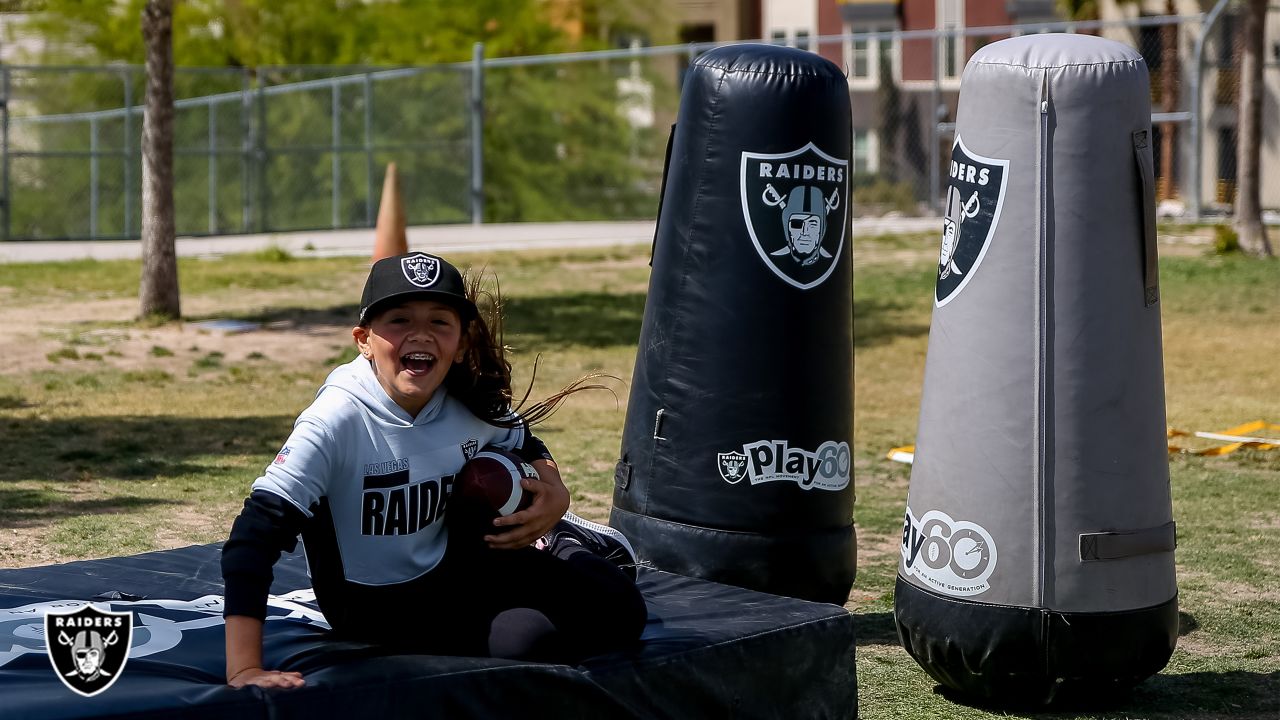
(124, 436)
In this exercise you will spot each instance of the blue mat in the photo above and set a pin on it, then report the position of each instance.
(709, 650)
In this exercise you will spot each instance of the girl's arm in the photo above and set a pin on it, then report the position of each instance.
(244, 657)
(268, 525)
(550, 501)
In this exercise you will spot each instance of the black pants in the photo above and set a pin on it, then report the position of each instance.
(593, 605)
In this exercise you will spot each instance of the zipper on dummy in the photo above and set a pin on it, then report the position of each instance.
(1041, 321)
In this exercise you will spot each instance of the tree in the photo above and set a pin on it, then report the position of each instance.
(890, 101)
(159, 287)
(1248, 223)
(1169, 64)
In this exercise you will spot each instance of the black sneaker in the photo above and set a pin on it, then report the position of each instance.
(601, 540)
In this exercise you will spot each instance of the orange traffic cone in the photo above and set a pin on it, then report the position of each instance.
(389, 234)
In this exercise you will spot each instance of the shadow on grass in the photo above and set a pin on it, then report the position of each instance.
(591, 319)
(293, 318)
(877, 321)
(1230, 694)
(130, 447)
(875, 628)
(21, 507)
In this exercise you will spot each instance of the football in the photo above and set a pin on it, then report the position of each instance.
(490, 481)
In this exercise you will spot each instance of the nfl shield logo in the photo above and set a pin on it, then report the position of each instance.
(796, 206)
(733, 466)
(421, 269)
(974, 200)
(88, 647)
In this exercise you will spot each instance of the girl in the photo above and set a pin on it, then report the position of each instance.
(365, 479)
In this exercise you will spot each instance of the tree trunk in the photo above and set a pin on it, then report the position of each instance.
(890, 101)
(1169, 63)
(159, 288)
(1252, 233)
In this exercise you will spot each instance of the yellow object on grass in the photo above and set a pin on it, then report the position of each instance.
(1240, 436)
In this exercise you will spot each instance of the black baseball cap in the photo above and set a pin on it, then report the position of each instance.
(414, 276)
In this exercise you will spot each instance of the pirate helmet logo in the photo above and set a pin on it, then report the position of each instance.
(804, 220)
(421, 269)
(88, 647)
(796, 210)
(733, 466)
(974, 200)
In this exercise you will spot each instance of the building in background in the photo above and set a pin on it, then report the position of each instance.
(904, 91)
(1172, 69)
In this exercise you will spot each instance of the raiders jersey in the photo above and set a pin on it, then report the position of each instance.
(367, 487)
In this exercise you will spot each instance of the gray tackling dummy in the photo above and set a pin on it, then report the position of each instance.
(1037, 547)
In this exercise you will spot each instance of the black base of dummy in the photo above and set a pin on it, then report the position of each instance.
(708, 651)
(813, 565)
(1014, 655)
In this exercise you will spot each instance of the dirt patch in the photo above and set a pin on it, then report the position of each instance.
(75, 338)
(186, 525)
(28, 546)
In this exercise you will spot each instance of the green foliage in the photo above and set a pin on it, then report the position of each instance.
(65, 353)
(1225, 240)
(210, 361)
(876, 195)
(250, 33)
(1079, 9)
(272, 254)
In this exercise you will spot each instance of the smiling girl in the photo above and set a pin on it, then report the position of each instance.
(365, 479)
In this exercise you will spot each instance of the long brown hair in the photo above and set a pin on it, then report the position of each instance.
(482, 381)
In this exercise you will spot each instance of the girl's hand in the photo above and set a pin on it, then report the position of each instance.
(550, 501)
(266, 679)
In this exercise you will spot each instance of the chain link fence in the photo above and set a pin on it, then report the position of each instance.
(555, 138)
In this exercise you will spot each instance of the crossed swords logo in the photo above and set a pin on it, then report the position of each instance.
(773, 198)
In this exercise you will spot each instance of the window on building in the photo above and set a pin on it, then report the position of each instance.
(802, 39)
(951, 17)
(1225, 188)
(778, 37)
(860, 58)
(1227, 39)
(864, 56)
(863, 161)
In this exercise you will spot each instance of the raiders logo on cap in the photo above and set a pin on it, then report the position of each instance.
(421, 269)
(410, 276)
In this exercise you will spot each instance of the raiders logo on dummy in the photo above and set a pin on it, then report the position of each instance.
(974, 199)
(421, 269)
(733, 466)
(796, 205)
(88, 647)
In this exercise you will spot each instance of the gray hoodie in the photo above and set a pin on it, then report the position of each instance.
(381, 476)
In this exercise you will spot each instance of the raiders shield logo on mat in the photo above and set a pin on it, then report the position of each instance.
(796, 205)
(88, 647)
(974, 199)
